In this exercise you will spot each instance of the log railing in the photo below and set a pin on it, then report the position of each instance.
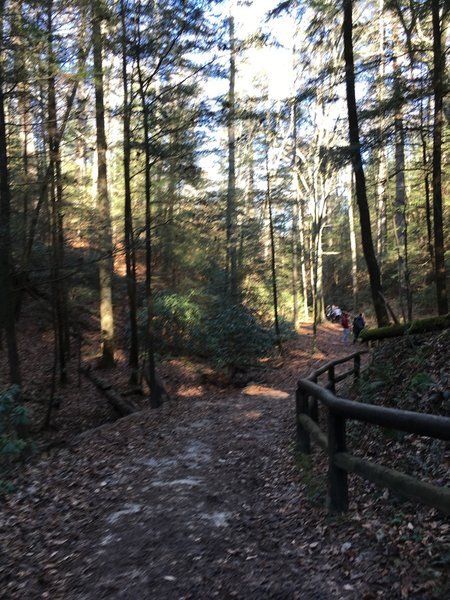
(340, 462)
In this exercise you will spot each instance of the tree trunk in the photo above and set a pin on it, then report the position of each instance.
(424, 125)
(232, 291)
(360, 182)
(273, 257)
(59, 293)
(103, 206)
(155, 390)
(295, 264)
(400, 188)
(128, 214)
(438, 88)
(382, 180)
(353, 249)
(7, 321)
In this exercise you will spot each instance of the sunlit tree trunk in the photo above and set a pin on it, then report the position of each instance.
(103, 205)
(298, 249)
(272, 253)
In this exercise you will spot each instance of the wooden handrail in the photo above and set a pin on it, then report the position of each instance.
(340, 462)
(338, 361)
(403, 420)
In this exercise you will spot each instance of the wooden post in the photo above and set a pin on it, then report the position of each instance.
(332, 383)
(303, 438)
(357, 363)
(337, 497)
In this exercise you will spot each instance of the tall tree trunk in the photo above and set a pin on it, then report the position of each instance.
(43, 187)
(360, 182)
(405, 293)
(273, 255)
(128, 214)
(59, 293)
(295, 265)
(426, 169)
(382, 179)
(438, 88)
(28, 171)
(303, 268)
(103, 206)
(353, 249)
(155, 389)
(7, 321)
(232, 290)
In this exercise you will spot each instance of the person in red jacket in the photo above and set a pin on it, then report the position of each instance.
(345, 328)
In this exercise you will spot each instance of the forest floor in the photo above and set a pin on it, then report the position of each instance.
(204, 498)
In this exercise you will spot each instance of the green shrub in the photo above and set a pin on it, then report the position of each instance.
(226, 336)
(13, 419)
(176, 319)
(233, 338)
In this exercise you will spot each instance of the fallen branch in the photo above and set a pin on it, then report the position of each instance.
(119, 404)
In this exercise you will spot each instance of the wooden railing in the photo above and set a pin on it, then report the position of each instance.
(340, 462)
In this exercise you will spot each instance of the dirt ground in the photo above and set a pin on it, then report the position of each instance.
(203, 498)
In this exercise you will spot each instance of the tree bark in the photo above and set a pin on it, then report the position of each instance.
(128, 214)
(360, 182)
(103, 205)
(59, 293)
(232, 291)
(438, 88)
(7, 321)
(273, 256)
(353, 249)
(382, 180)
(405, 294)
(155, 389)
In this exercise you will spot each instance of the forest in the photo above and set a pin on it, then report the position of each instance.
(151, 160)
(186, 187)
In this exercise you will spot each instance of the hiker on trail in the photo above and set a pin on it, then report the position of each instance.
(333, 313)
(337, 314)
(358, 325)
(345, 328)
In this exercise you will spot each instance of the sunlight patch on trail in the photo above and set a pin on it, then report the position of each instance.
(263, 390)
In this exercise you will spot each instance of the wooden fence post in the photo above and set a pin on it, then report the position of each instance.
(337, 497)
(303, 438)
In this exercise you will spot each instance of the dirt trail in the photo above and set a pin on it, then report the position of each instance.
(198, 500)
